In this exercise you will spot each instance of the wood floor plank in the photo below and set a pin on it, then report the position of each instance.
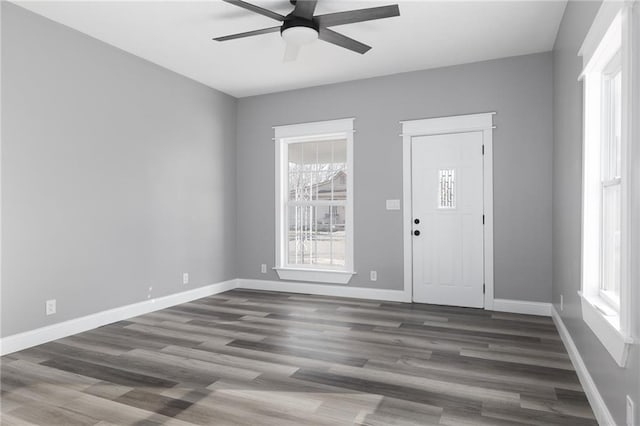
(10, 420)
(231, 361)
(423, 383)
(299, 352)
(398, 412)
(248, 357)
(425, 397)
(374, 350)
(101, 372)
(45, 414)
(480, 379)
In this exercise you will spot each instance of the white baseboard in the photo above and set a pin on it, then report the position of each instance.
(600, 410)
(46, 334)
(522, 307)
(42, 335)
(326, 290)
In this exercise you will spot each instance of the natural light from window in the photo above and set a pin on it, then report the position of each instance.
(317, 189)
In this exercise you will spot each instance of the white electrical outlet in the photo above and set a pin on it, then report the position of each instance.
(630, 411)
(185, 278)
(373, 276)
(50, 306)
(263, 268)
(562, 302)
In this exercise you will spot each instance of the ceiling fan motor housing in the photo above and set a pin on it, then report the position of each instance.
(299, 30)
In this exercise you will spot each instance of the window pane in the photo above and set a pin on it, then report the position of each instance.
(612, 125)
(295, 157)
(339, 177)
(316, 236)
(617, 124)
(339, 185)
(299, 236)
(337, 232)
(447, 189)
(310, 162)
(297, 186)
(611, 209)
(317, 170)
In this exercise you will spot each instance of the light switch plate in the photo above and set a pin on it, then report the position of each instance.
(393, 204)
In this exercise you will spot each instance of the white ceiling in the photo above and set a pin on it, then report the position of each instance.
(177, 36)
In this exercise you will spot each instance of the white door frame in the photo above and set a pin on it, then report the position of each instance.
(447, 125)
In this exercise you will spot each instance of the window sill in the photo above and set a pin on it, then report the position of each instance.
(314, 275)
(606, 328)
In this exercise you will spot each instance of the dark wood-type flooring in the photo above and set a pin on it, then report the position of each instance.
(263, 358)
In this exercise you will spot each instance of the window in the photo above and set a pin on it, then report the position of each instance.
(314, 201)
(447, 186)
(611, 182)
(606, 277)
(315, 206)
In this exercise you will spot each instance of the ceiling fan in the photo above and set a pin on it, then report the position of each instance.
(301, 27)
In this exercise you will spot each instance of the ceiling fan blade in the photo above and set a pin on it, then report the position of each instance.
(338, 39)
(305, 8)
(248, 34)
(353, 16)
(291, 52)
(256, 9)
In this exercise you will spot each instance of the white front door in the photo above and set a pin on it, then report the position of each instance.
(447, 204)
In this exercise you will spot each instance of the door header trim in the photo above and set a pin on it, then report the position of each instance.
(453, 124)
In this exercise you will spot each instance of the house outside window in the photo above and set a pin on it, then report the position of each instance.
(314, 201)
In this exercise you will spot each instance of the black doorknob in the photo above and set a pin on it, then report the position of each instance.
(416, 232)
(416, 221)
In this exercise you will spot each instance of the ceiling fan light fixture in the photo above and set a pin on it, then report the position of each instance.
(300, 35)
(302, 26)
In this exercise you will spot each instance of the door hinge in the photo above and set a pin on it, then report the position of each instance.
(483, 219)
(483, 288)
(482, 149)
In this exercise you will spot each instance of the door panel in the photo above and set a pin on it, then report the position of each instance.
(447, 199)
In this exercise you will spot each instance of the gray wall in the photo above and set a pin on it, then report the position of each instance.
(117, 175)
(519, 89)
(613, 382)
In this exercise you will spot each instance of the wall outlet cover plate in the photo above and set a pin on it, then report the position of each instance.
(50, 307)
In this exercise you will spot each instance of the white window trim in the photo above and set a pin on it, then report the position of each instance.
(300, 132)
(611, 30)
